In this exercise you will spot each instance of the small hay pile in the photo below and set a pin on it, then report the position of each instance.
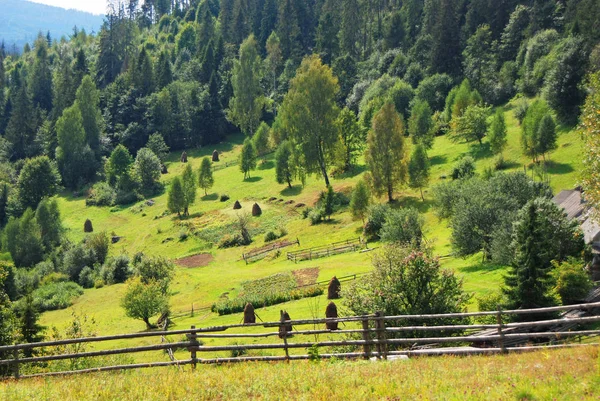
(333, 291)
(331, 312)
(237, 205)
(249, 315)
(87, 226)
(256, 210)
(184, 157)
(285, 329)
(215, 156)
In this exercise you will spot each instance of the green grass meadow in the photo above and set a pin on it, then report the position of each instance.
(150, 230)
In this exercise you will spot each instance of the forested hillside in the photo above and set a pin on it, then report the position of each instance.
(372, 118)
(21, 21)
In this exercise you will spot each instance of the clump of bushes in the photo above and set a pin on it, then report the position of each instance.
(375, 220)
(464, 168)
(56, 296)
(101, 194)
(230, 241)
(224, 197)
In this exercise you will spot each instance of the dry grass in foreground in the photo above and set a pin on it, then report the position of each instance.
(567, 374)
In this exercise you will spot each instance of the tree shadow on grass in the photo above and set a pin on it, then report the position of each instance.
(478, 151)
(293, 191)
(412, 202)
(352, 172)
(558, 168)
(480, 267)
(210, 197)
(266, 165)
(253, 179)
(437, 160)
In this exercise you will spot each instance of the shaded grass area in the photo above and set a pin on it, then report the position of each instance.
(569, 374)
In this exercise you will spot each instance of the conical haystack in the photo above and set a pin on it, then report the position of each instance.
(331, 312)
(249, 316)
(333, 291)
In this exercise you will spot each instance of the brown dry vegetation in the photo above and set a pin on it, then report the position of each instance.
(568, 374)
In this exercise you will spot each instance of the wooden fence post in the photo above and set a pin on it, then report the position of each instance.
(16, 363)
(366, 337)
(381, 335)
(500, 333)
(194, 344)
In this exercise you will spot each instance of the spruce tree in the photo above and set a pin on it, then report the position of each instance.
(284, 169)
(29, 329)
(88, 102)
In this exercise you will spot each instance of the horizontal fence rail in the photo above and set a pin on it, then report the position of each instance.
(260, 253)
(368, 336)
(334, 248)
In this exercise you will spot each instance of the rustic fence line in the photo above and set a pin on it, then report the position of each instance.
(260, 253)
(371, 337)
(334, 248)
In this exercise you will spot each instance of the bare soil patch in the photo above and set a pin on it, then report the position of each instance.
(306, 276)
(200, 260)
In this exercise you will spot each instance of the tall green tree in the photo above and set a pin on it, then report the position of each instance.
(74, 156)
(590, 127)
(445, 52)
(288, 30)
(142, 301)
(352, 137)
(41, 76)
(23, 240)
(88, 100)
(157, 145)
(38, 179)
(386, 152)
(418, 169)
(497, 132)
(349, 29)
(20, 129)
(420, 124)
(472, 125)
(48, 219)
(530, 128)
(546, 135)
(274, 58)
(284, 169)
(188, 180)
(29, 328)
(309, 113)
(176, 197)
(361, 198)
(147, 169)
(248, 158)
(246, 105)
(205, 175)
(480, 62)
(118, 164)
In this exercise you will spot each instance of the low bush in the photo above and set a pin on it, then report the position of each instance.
(230, 241)
(464, 168)
(116, 270)
(375, 220)
(271, 236)
(87, 277)
(316, 216)
(224, 198)
(101, 194)
(56, 295)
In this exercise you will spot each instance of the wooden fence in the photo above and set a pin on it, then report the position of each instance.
(260, 253)
(335, 248)
(370, 336)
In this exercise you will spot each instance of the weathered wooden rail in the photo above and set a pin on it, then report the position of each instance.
(260, 253)
(369, 336)
(335, 248)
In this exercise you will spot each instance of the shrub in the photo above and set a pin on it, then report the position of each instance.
(87, 277)
(183, 235)
(271, 236)
(404, 226)
(230, 241)
(306, 212)
(101, 194)
(520, 111)
(224, 198)
(464, 168)
(316, 216)
(75, 259)
(572, 282)
(116, 270)
(98, 244)
(56, 296)
(375, 220)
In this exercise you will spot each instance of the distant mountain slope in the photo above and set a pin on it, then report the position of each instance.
(20, 21)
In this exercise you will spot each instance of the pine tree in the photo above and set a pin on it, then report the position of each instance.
(329, 202)
(226, 19)
(143, 74)
(164, 74)
(445, 53)
(29, 329)
(349, 29)
(418, 169)
(41, 76)
(327, 41)
(269, 21)
(352, 137)
(206, 26)
(205, 175)
(176, 197)
(208, 63)
(20, 131)
(288, 30)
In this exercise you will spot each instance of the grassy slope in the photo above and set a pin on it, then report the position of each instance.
(202, 286)
(569, 374)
